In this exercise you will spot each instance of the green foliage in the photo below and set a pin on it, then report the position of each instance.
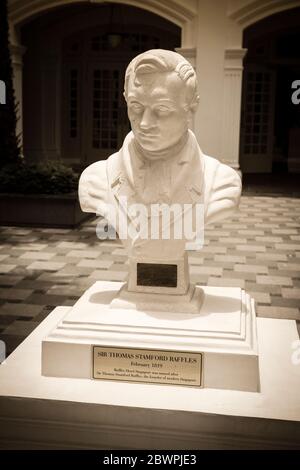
(44, 178)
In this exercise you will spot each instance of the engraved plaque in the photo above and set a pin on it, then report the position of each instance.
(147, 365)
(158, 275)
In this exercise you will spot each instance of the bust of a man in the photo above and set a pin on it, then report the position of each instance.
(160, 161)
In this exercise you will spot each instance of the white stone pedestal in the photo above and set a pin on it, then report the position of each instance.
(38, 412)
(223, 331)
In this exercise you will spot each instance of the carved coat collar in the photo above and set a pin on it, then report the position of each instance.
(126, 172)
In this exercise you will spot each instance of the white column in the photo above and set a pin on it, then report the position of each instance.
(231, 107)
(189, 53)
(17, 53)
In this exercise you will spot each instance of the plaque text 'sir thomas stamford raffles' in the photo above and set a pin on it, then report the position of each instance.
(152, 366)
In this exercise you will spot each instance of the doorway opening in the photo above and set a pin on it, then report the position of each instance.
(270, 119)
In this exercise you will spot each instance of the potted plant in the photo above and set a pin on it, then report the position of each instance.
(39, 195)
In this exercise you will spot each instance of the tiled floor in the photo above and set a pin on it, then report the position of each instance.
(258, 249)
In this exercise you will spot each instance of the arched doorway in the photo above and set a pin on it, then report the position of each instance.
(73, 77)
(270, 120)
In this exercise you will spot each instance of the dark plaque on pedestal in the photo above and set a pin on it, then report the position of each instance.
(159, 275)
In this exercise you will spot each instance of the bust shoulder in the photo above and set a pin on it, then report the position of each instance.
(92, 187)
(222, 189)
(218, 173)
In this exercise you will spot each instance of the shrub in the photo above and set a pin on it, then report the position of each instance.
(44, 178)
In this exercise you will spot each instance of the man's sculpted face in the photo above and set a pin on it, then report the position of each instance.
(157, 110)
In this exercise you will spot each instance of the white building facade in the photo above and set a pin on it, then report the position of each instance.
(69, 58)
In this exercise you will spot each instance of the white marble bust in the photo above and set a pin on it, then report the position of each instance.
(160, 160)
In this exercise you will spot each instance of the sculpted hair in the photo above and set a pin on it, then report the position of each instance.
(160, 60)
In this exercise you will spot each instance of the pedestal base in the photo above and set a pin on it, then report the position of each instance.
(223, 331)
(38, 412)
(190, 302)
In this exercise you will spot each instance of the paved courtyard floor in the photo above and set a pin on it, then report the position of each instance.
(258, 249)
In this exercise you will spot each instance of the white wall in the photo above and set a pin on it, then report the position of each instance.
(216, 34)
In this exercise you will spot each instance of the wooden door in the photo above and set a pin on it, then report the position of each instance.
(72, 112)
(257, 120)
(106, 122)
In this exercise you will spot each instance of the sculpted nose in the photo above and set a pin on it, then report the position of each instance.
(147, 120)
